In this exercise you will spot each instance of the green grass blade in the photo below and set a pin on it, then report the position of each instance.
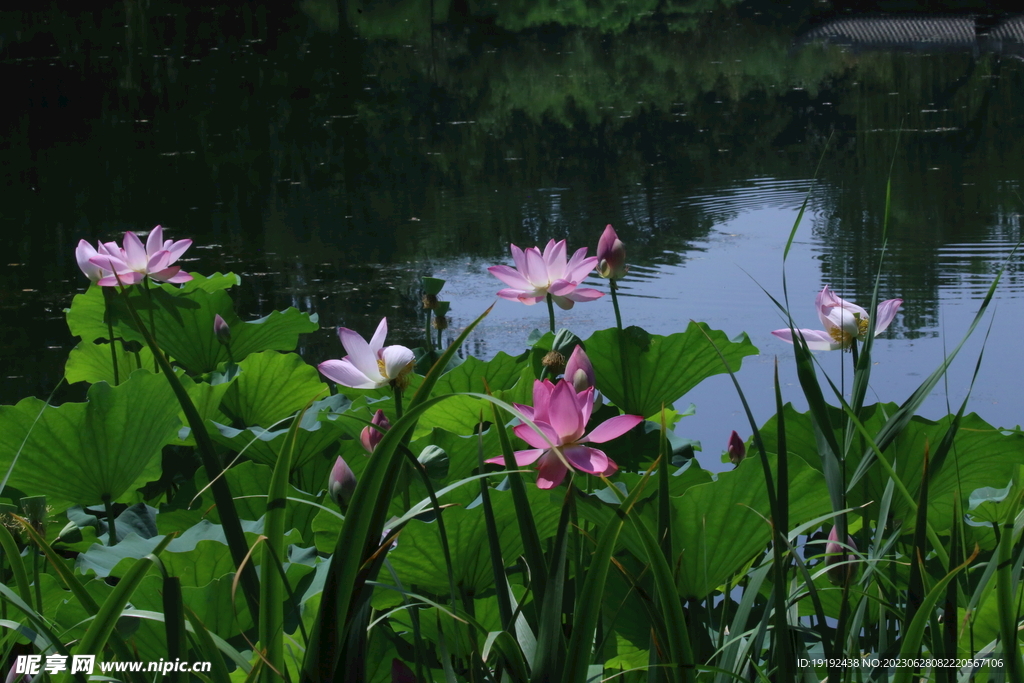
(174, 626)
(548, 660)
(914, 633)
(10, 549)
(494, 546)
(1007, 603)
(272, 589)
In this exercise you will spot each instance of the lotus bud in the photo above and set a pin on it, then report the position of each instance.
(836, 554)
(554, 362)
(736, 448)
(578, 371)
(401, 673)
(222, 330)
(370, 436)
(611, 255)
(342, 483)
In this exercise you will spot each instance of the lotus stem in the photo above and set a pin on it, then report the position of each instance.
(615, 302)
(108, 314)
(428, 336)
(111, 526)
(152, 322)
(551, 312)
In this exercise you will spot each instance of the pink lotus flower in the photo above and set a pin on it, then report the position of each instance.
(131, 263)
(561, 414)
(611, 255)
(371, 436)
(84, 253)
(541, 274)
(369, 366)
(578, 371)
(844, 322)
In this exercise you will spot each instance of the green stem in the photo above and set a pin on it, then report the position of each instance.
(427, 336)
(403, 476)
(112, 531)
(108, 295)
(440, 338)
(35, 581)
(615, 302)
(152, 321)
(551, 312)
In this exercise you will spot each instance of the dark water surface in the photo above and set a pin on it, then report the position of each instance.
(333, 157)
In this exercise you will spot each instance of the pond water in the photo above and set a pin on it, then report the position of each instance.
(333, 157)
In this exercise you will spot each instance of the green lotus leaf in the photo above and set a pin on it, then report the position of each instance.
(183, 321)
(316, 433)
(86, 452)
(272, 386)
(419, 559)
(735, 508)
(660, 370)
(90, 362)
(461, 414)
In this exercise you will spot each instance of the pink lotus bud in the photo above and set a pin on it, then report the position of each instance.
(371, 436)
(578, 371)
(342, 483)
(737, 449)
(401, 673)
(611, 255)
(835, 554)
(222, 330)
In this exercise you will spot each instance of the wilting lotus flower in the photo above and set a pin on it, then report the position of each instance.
(844, 322)
(369, 366)
(737, 449)
(541, 274)
(578, 371)
(342, 483)
(370, 436)
(611, 255)
(835, 554)
(561, 413)
(131, 263)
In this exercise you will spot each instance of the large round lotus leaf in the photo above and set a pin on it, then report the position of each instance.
(720, 526)
(81, 453)
(640, 372)
(272, 386)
